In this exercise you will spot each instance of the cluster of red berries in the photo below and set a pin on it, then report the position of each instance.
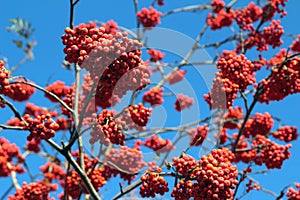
(185, 165)
(182, 102)
(153, 184)
(294, 194)
(222, 136)
(296, 45)
(246, 16)
(37, 190)
(158, 144)
(259, 124)
(74, 184)
(232, 117)
(198, 135)
(59, 89)
(286, 133)
(176, 77)
(124, 161)
(149, 17)
(222, 19)
(154, 96)
(152, 167)
(42, 127)
(217, 5)
(8, 152)
(215, 175)
(155, 55)
(111, 27)
(52, 171)
(106, 129)
(112, 55)
(227, 84)
(4, 74)
(33, 145)
(222, 93)
(139, 114)
(19, 91)
(284, 79)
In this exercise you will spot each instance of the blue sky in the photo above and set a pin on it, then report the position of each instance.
(50, 18)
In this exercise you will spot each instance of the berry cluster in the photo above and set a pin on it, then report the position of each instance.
(214, 174)
(8, 152)
(182, 102)
(198, 135)
(33, 145)
(251, 186)
(140, 114)
(176, 77)
(106, 129)
(42, 127)
(296, 45)
(154, 96)
(19, 91)
(153, 184)
(112, 55)
(227, 84)
(294, 194)
(59, 89)
(246, 16)
(149, 17)
(286, 133)
(158, 144)
(74, 184)
(259, 124)
(52, 171)
(124, 161)
(284, 79)
(221, 19)
(232, 117)
(155, 55)
(38, 190)
(185, 165)
(222, 136)
(217, 5)
(4, 74)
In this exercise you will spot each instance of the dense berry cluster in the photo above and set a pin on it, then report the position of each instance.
(155, 55)
(217, 5)
(284, 79)
(176, 77)
(236, 74)
(124, 161)
(41, 127)
(149, 17)
(59, 89)
(74, 184)
(185, 164)
(182, 102)
(112, 55)
(154, 96)
(158, 144)
(19, 91)
(272, 34)
(222, 93)
(106, 129)
(246, 16)
(140, 115)
(286, 133)
(52, 171)
(33, 145)
(37, 190)
(222, 19)
(153, 184)
(294, 194)
(8, 152)
(259, 124)
(4, 74)
(215, 177)
(232, 117)
(111, 27)
(198, 135)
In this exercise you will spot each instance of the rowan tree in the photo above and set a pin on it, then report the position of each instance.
(126, 123)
